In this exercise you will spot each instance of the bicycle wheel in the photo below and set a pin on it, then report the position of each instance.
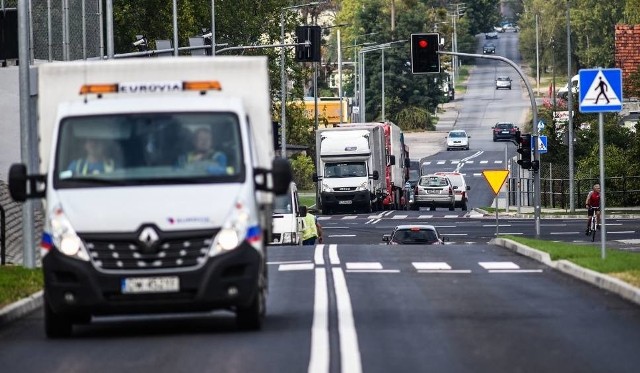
(593, 228)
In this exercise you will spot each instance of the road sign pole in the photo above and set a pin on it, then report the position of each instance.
(603, 230)
(497, 225)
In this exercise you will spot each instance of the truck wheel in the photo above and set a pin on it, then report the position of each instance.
(464, 205)
(252, 316)
(56, 326)
(325, 211)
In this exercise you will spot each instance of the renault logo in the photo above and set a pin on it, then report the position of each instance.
(148, 237)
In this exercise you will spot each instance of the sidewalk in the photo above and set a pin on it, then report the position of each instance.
(426, 143)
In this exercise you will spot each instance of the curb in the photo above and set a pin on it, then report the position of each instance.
(602, 281)
(20, 308)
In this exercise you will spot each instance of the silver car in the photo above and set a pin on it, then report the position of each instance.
(503, 82)
(434, 191)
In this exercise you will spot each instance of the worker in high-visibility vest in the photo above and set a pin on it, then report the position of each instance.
(95, 162)
(312, 230)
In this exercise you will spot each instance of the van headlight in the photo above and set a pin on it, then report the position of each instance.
(326, 188)
(235, 230)
(362, 186)
(64, 237)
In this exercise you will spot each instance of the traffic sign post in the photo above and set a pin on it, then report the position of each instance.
(601, 92)
(496, 179)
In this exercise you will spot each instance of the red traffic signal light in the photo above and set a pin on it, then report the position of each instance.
(424, 53)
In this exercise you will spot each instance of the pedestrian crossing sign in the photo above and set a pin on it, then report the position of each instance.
(600, 90)
(542, 144)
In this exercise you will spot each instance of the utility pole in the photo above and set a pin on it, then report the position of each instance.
(572, 204)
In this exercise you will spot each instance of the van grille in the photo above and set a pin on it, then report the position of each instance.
(124, 252)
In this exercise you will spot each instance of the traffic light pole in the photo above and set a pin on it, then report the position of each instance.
(534, 109)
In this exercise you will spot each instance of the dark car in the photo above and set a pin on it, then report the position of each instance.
(491, 35)
(414, 235)
(504, 131)
(489, 48)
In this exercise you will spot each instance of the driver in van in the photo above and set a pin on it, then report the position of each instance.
(95, 160)
(204, 152)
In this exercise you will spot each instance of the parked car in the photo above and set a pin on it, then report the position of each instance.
(491, 35)
(458, 139)
(414, 235)
(460, 188)
(434, 191)
(489, 48)
(503, 82)
(504, 131)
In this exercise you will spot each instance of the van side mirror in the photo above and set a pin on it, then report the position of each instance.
(375, 175)
(302, 211)
(386, 237)
(407, 162)
(468, 187)
(18, 182)
(314, 177)
(281, 175)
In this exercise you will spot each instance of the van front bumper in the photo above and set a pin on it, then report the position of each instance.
(75, 287)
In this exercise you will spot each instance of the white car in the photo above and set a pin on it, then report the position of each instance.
(458, 139)
(460, 188)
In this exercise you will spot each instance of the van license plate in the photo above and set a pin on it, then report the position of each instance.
(167, 284)
(345, 202)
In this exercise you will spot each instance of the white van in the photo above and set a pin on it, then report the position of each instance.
(287, 218)
(564, 91)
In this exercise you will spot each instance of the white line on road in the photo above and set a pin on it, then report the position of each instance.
(289, 262)
(374, 221)
(328, 227)
(444, 271)
(425, 216)
(399, 217)
(430, 265)
(349, 350)
(441, 162)
(515, 271)
(451, 216)
(484, 162)
(493, 225)
(349, 217)
(364, 265)
(318, 257)
(499, 265)
(319, 360)
(333, 254)
(296, 267)
(568, 233)
(373, 271)
(455, 234)
(324, 217)
(624, 232)
(342, 235)
(497, 162)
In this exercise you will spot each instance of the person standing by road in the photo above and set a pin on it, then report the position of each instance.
(312, 230)
(592, 204)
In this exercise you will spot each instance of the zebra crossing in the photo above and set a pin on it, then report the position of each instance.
(416, 267)
(399, 215)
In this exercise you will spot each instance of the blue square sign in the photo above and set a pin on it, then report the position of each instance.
(600, 90)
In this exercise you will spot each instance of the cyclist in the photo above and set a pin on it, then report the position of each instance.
(593, 205)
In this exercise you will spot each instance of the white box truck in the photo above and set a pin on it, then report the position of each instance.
(158, 177)
(350, 166)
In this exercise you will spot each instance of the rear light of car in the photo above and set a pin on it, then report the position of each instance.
(450, 191)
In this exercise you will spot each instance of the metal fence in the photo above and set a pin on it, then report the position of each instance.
(555, 193)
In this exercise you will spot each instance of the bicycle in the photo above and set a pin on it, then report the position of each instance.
(593, 223)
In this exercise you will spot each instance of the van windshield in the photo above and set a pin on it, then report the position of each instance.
(282, 204)
(149, 148)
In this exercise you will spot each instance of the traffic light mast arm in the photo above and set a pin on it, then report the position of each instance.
(241, 47)
(534, 109)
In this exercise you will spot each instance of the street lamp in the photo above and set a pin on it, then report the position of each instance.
(357, 68)
(363, 51)
(283, 79)
(570, 108)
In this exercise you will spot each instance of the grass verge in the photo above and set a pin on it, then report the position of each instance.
(17, 282)
(622, 265)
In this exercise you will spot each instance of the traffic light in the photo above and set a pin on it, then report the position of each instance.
(525, 151)
(308, 53)
(424, 53)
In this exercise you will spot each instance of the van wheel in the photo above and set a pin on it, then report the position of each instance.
(452, 207)
(326, 211)
(464, 205)
(252, 316)
(55, 325)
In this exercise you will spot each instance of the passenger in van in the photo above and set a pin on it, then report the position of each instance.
(204, 153)
(95, 160)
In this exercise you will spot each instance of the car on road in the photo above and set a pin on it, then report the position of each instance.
(491, 35)
(434, 191)
(504, 131)
(457, 139)
(421, 234)
(504, 82)
(460, 188)
(489, 48)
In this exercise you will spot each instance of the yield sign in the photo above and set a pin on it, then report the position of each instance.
(495, 178)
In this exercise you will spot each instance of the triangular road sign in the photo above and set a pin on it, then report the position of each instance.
(495, 178)
(600, 92)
